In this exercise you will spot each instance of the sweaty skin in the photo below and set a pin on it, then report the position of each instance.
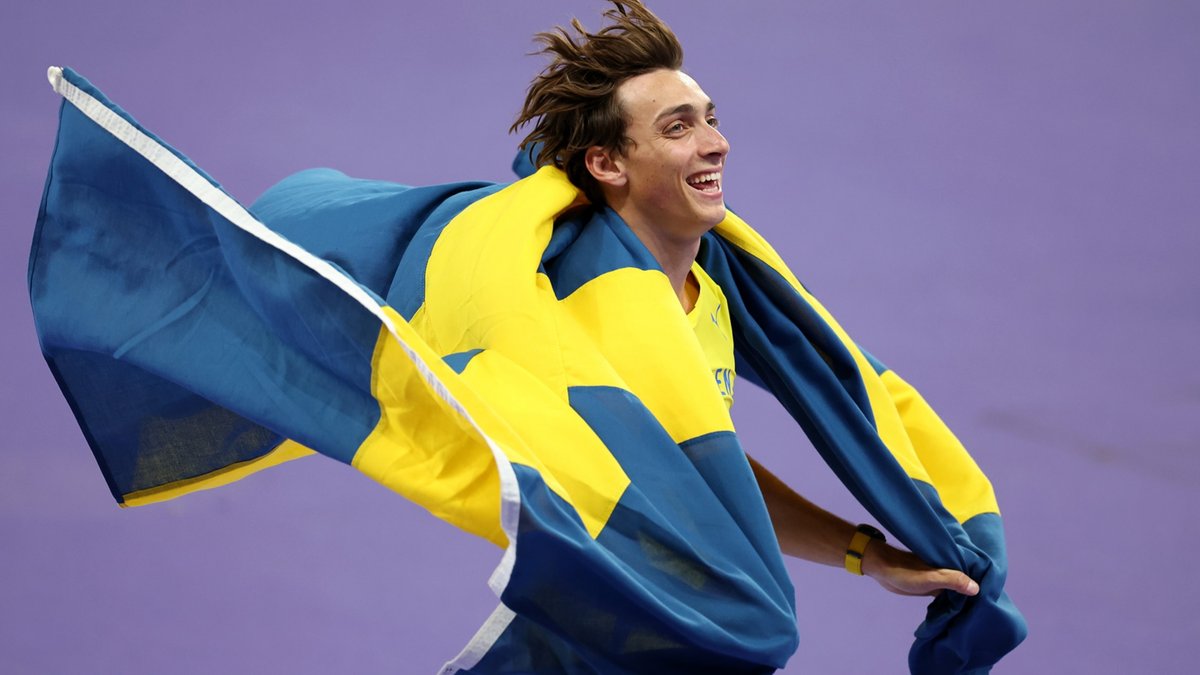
(667, 186)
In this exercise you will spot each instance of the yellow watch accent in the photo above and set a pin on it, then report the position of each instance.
(858, 544)
(854, 553)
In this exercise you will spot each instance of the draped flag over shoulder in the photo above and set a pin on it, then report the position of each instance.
(513, 360)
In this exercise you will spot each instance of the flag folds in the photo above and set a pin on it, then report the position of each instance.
(512, 359)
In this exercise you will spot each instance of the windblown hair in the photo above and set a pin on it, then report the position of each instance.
(574, 99)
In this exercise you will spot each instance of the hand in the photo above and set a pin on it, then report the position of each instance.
(904, 573)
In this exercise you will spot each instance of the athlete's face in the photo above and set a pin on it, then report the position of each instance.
(673, 166)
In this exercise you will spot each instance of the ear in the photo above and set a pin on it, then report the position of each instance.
(605, 167)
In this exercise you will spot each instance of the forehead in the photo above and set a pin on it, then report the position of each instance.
(644, 97)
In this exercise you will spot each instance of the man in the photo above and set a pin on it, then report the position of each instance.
(642, 138)
(535, 363)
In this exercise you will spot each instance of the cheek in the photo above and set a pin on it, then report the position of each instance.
(667, 187)
(657, 180)
(654, 181)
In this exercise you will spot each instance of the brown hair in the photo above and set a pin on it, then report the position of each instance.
(574, 99)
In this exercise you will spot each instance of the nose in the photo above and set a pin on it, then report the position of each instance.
(714, 144)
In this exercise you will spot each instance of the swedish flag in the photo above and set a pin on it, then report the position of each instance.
(508, 357)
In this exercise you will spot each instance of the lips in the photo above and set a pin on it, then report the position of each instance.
(706, 182)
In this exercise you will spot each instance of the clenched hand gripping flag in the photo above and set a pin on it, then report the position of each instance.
(509, 358)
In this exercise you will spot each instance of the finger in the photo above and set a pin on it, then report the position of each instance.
(966, 585)
(957, 581)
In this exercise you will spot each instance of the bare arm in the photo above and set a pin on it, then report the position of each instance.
(807, 531)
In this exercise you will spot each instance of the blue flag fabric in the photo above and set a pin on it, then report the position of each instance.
(508, 357)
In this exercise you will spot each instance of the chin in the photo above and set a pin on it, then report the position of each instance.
(714, 216)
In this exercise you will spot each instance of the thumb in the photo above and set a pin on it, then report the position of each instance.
(953, 580)
(966, 585)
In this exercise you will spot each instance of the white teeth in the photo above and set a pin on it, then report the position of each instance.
(704, 177)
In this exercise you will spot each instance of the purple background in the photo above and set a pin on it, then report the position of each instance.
(1000, 200)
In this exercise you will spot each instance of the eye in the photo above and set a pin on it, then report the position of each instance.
(675, 128)
(714, 122)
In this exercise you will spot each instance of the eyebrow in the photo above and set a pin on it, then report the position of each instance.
(685, 108)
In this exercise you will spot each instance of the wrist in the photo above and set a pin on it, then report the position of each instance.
(864, 536)
(874, 558)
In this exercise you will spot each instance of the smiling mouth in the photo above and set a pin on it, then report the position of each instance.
(706, 182)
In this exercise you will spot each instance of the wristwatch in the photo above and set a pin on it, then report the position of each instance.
(858, 544)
